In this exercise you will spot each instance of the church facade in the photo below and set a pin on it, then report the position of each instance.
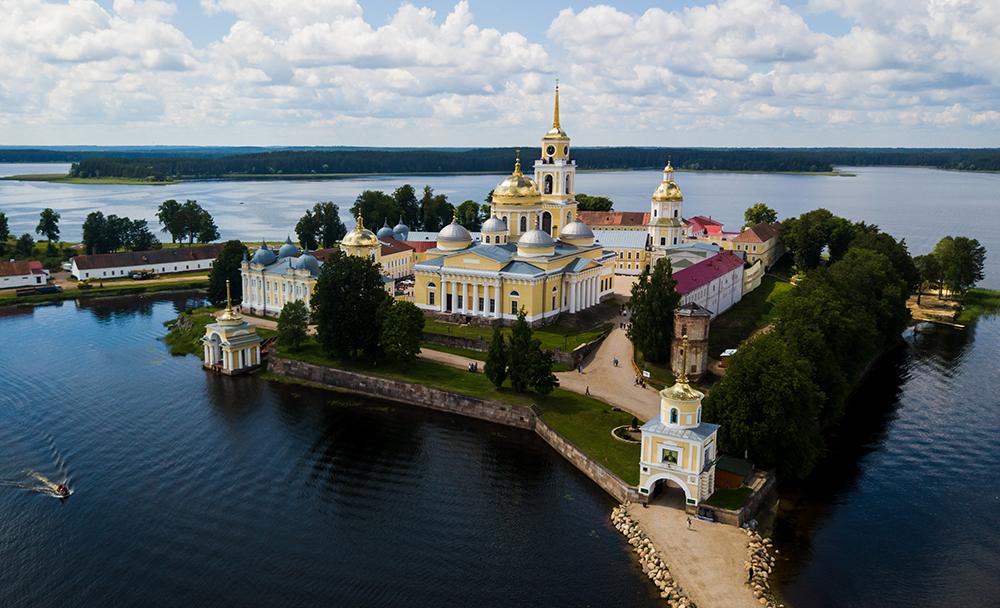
(533, 254)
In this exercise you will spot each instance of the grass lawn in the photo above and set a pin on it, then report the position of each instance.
(748, 315)
(977, 303)
(557, 336)
(184, 337)
(584, 421)
(729, 498)
(478, 355)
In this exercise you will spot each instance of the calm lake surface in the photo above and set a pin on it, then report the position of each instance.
(192, 489)
(920, 205)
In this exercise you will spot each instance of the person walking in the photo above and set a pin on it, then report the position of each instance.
(689, 522)
(587, 391)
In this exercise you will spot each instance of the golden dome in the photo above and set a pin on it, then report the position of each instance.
(360, 236)
(516, 185)
(682, 391)
(668, 190)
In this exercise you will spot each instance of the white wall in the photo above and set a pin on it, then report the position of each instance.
(121, 272)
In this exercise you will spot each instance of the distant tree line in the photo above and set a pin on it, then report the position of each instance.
(430, 212)
(785, 390)
(106, 234)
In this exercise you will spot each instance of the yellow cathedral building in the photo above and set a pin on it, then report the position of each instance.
(533, 253)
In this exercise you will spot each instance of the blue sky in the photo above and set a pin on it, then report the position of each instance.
(475, 73)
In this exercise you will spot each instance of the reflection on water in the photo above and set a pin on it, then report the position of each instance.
(904, 512)
(199, 489)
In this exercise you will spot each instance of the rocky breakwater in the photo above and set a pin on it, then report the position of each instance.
(758, 567)
(650, 560)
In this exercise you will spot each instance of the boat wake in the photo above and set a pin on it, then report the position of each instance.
(54, 482)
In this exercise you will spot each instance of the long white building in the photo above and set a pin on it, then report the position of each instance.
(160, 261)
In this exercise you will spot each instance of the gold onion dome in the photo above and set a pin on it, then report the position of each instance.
(360, 236)
(516, 185)
(668, 190)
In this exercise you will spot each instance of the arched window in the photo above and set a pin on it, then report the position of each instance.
(487, 240)
(548, 184)
(676, 211)
(524, 224)
(673, 416)
(514, 294)
(431, 285)
(569, 185)
(569, 216)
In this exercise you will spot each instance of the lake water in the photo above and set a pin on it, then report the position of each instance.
(195, 489)
(920, 205)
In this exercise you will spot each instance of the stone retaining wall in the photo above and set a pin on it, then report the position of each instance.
(483, 409)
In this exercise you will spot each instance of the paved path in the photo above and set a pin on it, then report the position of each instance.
(448, 359)
(707, 560)
(615, 385)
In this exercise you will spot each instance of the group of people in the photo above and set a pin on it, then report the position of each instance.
(474, 367)
(640, 381)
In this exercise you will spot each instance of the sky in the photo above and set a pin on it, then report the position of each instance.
(922, 73)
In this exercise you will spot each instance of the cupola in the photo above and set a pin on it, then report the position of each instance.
(288, 249)
(577, 233)
(534, 243)
(494, 231)
(454, 236)
(668, 190)
(385, 232)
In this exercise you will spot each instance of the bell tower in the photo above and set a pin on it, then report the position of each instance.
(555, 174)
(666, 228)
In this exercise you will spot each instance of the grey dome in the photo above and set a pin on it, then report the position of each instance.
(494, 224)
(288, 250)
(576, 230)
(401, 230)
(263, 256)
(385, 231)
(306, 262)
(454, 233)
(536, 238)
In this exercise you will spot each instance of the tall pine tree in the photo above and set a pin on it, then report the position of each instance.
(496, 359)
(654, 299)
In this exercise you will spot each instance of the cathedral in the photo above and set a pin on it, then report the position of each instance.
(534, 254)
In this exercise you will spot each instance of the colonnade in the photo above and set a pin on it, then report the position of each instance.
(471, 290)
(584, 293)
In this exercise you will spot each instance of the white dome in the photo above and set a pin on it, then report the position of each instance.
(536, 238)
(576, 230)
(494, 224)
(454, 233)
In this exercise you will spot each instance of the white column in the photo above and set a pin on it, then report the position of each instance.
(572, 297)
(476, 309)
(496, 299)
(442, 290)
(454, 296)
(466, 304)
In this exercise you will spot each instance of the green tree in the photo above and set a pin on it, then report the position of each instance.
(469, 215)
(293, 324)
(408, 205)
(170, 216)
(402, 331)
(25, 246)
(48, 226)
(435, 210)
(759, 213)
(95, 229)
(868, 236)
(540, 377)
(330, 228)
(307, 229)
(227, 268)
(654, 299)
(929, 269)
(962, 260)
(528, 366)
(768, 405)
(207, 230)
(376, 207)
(840, 235)
(497, 359)
(140, 237)
(806, 236)
(586, 202)
(348, 306)
(4, 232)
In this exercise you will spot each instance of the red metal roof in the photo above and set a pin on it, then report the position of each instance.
(390, 246)
(704, 272)
(613, 218)
(761, 233)
(20, 267)
(421, 246)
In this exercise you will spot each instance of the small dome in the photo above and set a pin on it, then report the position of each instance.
(682, 391)
(385, 232)
(576, 230)
(668, 190)
(263, 256)
(516, 185)
(401, 231)
(535, 238)
(306, 262)
(288, 250)
(360, 236)
(494, 225)
(454, 236)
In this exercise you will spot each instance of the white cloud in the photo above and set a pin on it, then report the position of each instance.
(323, 72)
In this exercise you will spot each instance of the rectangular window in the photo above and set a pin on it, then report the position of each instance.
(663, 240)
(480, 307)
(513, 308)
(553, 302)
(430, 298)
(493, 305)
(459, 301)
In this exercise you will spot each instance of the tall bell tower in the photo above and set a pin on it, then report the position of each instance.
(555, 174)
(665, 223)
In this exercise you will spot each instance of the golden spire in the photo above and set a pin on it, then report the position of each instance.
(668, 171)
(229, 306)
(555, 112)
(361, 222)
(683, 378)
(517, 163)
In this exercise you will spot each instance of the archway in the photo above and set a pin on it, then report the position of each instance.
(669, 491)
(215, 350)
(547, 222)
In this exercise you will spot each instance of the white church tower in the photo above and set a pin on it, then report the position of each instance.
(666, 228)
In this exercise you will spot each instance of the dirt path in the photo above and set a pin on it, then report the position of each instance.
(707, 560)
(615, 385)
(63, 280)
(448, 359)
